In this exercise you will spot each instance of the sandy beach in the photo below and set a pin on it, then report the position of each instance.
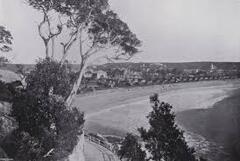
(118, 111)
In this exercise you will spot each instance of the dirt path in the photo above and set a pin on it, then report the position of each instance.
(94, 152)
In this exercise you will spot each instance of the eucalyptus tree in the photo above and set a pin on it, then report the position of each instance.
(47, 30)
(93, 27)
(99, 33)
(5, 39)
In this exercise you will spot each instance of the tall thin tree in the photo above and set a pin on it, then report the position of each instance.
(94, 28)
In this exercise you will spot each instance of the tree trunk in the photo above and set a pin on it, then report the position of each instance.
(81, 72)
(53, 47)
(46, 48)
(64, 56)
(75, 86)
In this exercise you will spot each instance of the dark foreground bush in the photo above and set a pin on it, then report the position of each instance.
(47, 129)
(5, 93)
(131, 150)
(50, 75)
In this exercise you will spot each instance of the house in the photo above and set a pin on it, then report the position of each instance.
(118, 74)
(88, 74)
(213, 68)
(188, 71)
(94, 74)
(220, 71)
(133, 76)
(101, 74)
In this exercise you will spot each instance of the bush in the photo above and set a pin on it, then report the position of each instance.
(131, 150)
(49, 74)
(47, 129)
(164, 140)
(44, 124)
(5, 94)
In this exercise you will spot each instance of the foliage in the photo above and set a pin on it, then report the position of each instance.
(131, 149)
(2, 153)
(3, 61)
(101, 26)
(47, 129)
(93, 24)
(49, 75)
(5, 44)
(21, 71)
(163, 139)
(5, 93)
(5, 39)
(94, 18)
(44, 124)
(29, 146)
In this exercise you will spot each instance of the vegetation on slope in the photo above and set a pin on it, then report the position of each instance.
(46, 128)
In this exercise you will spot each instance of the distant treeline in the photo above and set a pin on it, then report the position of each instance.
(204, 65)
(179, 66)
(138, 66)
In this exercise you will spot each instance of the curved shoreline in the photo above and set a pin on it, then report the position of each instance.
(136, 88)
(217, 125)
(109, 98)
(121, 111)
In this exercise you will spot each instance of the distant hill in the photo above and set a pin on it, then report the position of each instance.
(179, 66)
(13, 67)
(138, 66)
(204, 65)
(8, 76)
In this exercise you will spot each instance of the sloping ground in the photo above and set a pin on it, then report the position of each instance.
(77, 154)
(8, 76)
(95, 152)
(2, 153)
(6, 124)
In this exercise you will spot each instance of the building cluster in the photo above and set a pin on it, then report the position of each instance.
(96, 78)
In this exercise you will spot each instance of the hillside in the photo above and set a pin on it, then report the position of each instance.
(204, 65)
(8, 75)
(179, 66)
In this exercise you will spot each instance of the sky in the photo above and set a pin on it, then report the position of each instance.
(170, 30)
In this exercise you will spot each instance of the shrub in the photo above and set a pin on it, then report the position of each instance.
(47, 129)
(164, 140)
(5, 93)
(49, 74)
(131, 150)
(45, 124)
